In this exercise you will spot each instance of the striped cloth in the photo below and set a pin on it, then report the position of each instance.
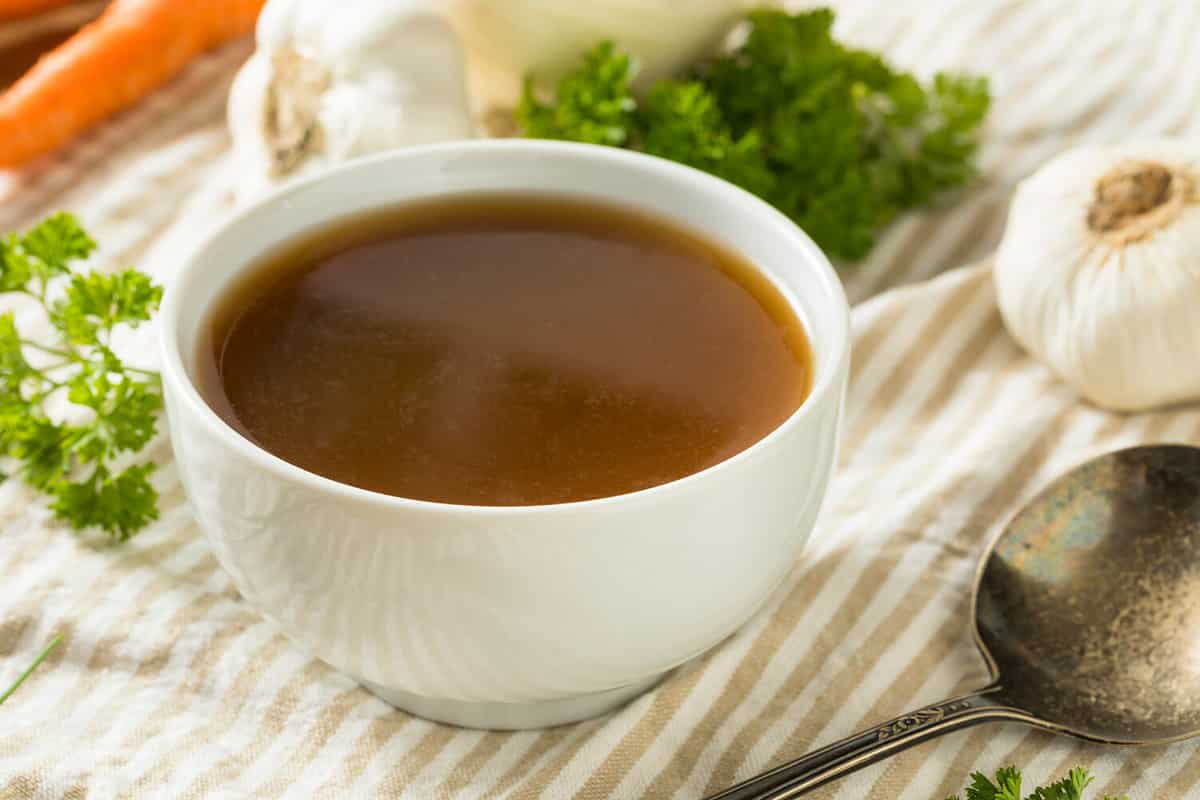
(169, 686)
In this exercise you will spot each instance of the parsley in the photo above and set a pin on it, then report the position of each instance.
(111, 407)
(595, 104)
(832, 136)
(1007, 786)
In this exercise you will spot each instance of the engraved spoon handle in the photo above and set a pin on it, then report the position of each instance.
(821, 766)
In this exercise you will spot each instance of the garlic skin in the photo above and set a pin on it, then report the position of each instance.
(1098, 273)
(325, 86)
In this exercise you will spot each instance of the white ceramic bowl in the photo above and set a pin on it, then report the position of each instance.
(509, 617)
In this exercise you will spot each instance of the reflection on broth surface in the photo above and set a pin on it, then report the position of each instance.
(504, 351)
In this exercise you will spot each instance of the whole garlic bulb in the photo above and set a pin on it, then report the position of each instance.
(326, 86)
(1098, 274)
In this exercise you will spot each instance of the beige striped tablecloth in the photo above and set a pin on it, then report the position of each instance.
(169, 686)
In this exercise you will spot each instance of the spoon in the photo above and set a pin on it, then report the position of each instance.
(1087, 611)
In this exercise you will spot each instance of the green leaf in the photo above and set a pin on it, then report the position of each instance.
(682, 122)
(14, 369)
(15, 267)
(97, 302)
(851, 141)
(1007, 786)
(1069, 788)
(14, 416)
(57, 241)
(594, 104)
(1008, 781)
(120, 504)
(123, 401)
(43, 447)
(929, 139)
(125, 418)
(832, 136)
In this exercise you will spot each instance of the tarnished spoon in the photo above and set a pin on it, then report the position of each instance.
(1087, 609)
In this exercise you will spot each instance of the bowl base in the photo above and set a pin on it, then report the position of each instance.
(512, 716)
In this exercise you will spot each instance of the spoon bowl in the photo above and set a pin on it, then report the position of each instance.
(1087, 609)
(1088, 605)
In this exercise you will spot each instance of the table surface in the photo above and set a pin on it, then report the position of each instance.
(168, 685)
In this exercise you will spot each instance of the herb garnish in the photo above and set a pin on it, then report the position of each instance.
(112, 407)
(1007, 786)
(832, 136)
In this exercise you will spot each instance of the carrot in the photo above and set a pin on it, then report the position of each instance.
(134, 47)
(12, 9)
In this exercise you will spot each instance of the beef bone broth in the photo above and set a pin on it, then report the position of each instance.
(504, 350)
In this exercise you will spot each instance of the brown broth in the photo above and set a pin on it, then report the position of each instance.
(504, 350)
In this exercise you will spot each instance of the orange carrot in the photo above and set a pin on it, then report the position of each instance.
(12, 9)
(134, 47)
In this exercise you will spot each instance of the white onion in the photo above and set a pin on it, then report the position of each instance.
(508, 39)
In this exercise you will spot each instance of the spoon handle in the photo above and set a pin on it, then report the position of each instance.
(821, 766)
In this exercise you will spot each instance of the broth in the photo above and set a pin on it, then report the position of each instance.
(504, 350)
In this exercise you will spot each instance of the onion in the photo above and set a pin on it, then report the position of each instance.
(509, 39)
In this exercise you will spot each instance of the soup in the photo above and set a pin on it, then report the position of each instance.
(504, 350)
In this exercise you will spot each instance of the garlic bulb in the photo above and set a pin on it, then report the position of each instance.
(509, 39)
(325, 86)
(1098, 274)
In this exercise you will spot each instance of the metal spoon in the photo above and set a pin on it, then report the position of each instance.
(1087, 610)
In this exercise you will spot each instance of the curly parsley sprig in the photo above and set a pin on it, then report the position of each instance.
(112, 406)
(832, 136)
(1007, 786)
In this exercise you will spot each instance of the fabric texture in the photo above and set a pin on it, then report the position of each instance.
(168, 685)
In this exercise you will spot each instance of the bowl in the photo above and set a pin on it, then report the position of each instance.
(509, 617)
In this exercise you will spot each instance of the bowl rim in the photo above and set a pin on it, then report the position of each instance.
(832, 355)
